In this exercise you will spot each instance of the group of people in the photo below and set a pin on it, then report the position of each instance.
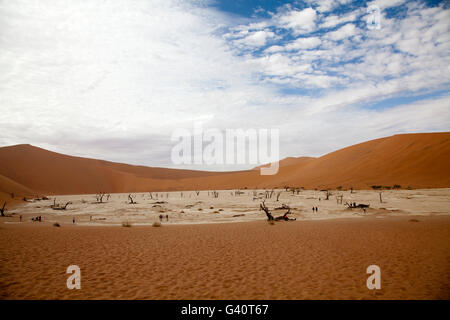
(161, 217)
(38, 218)
(315, 209)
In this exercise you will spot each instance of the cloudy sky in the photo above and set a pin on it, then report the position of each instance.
(113, 79)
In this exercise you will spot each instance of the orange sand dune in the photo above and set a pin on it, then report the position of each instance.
(415, 160)
(12, 192)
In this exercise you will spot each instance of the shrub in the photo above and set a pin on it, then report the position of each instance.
(126, 224)
(156, 224)
(397, 186)
(56, 224)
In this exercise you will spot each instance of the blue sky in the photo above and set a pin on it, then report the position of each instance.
(113, 79)
(262, 10)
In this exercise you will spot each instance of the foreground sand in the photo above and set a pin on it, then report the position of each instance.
(250, 260)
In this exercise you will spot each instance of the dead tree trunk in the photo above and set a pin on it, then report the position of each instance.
(263, 207)
(131, 199)
(381, 200)
(99, 197)
(2, 211)
(63, 207)
(278, 195)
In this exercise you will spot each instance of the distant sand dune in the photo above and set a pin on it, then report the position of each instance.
(414, 160)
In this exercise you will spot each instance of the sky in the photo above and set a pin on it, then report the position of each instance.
(113, 79)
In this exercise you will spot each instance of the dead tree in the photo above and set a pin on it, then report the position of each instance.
(270, 217)
(339, 199)
(285, 216)
(131, 199)
(327, 194)
(2, 211)
(263, 207)
(283, 206)
(278, 195)
(354, 205)
(198, 192)
(99, 197)
(381, 200)
(63, 207)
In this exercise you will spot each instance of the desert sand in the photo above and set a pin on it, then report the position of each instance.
(206, 254)
(309, 259)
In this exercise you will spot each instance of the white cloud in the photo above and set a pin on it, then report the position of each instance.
(111, 79)
(327, 5)
(299, 21)
(304, 43)
(384, 4)
(343, 32)
(257, 38)
(332, 21)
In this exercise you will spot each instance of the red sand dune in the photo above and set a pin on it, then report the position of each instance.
(416, 160)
